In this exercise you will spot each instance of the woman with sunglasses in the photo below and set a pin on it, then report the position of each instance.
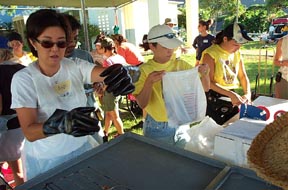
(49, 96)
(226, 71)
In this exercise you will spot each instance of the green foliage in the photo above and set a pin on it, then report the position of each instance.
(218, 7)
(255, 19)
(275, 5)
(93, 30)
(9, 10)
(182, 17)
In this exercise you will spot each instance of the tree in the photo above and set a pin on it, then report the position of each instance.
(9, 10)
(93, 30)
(213, 9)
(275, 5)
(255, 19)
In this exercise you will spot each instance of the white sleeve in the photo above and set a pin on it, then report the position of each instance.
(85, 69)
(23, 91)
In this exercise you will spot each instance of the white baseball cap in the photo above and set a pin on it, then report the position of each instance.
(237, 32)
(164, 36)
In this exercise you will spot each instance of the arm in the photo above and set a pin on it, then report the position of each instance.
(278, 59)
(95, 75)
(144, 96)
(245, 83)
(28, 122)
(205, 79)
(235, 98)
(78, 122)
(195, 43)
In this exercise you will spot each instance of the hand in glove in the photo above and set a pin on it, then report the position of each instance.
(134, 73)
(118, 80)
(77, 122)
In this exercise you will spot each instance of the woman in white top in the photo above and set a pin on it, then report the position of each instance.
(49, 96)
(281, 60)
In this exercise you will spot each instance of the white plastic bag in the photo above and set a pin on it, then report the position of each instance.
(202, 137)
(184, 97)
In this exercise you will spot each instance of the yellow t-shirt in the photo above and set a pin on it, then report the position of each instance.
(226, 66)
(156, 106)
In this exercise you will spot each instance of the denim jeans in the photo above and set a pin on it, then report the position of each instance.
(158, 130)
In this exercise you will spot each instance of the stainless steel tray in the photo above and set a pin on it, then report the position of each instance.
(134, 162)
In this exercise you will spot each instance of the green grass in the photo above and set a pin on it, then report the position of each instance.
(254, 64)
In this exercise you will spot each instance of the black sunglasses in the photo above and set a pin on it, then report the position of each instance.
(169, 36)
(49, 44)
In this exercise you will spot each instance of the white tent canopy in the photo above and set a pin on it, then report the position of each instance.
(83, 4)
(68, 3)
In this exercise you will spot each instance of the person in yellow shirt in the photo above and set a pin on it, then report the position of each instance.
(15, 41)
(226, 71)
(148, 89)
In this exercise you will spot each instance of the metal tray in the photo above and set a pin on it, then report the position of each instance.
(242, 178)
(130, 162)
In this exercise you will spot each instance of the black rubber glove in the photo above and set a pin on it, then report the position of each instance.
(134, 72)
(118, 80)
(77, 122)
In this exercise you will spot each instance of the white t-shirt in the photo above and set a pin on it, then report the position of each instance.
(31, 89)
(114, 59)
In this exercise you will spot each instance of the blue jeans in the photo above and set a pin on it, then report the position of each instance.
(159, 131)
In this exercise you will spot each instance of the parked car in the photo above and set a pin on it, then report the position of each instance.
(278, 28)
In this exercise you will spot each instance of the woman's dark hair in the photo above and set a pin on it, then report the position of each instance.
(74, 23)
(145, 44)
(207, 23)
(119, 38)
(42, 19)
(219, 37)
(108, 44)
(99, 37)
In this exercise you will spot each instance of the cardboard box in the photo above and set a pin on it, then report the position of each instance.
(232, 143)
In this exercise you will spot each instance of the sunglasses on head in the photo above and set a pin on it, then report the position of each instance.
(49, 44)
(169, 36)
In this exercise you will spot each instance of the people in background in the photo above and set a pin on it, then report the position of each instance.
(11, 140)
(169, 22)
(227, 72)
(281, 60)
(15, 41)
(148, 92)
(203, 40)
(77, 55)
(110, 101)
(129, 51)
(181, 49)
(49, 96)
(98, 58)
(71, 50)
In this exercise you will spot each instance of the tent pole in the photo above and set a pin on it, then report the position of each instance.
(84, 16)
